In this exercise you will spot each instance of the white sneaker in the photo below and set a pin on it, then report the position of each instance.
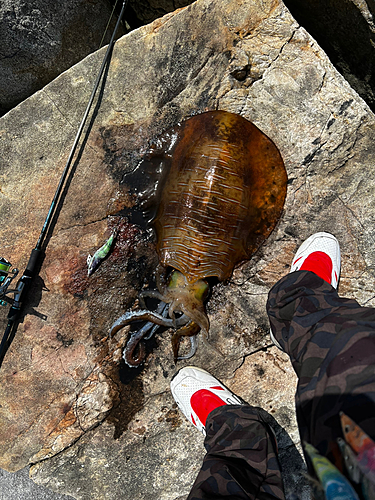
(197, 393)
(320, 253)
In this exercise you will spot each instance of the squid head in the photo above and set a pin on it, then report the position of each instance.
(187, 298)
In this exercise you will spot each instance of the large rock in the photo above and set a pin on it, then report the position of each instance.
(345, 29)
(91, 430)
(41, 39)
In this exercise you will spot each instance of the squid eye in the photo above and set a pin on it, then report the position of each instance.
(176, 280)
(201, 290)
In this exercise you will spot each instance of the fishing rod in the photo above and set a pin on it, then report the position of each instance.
(7, 275)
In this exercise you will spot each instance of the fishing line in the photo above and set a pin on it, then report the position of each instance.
(6, 276)
(106, 28)
(80, 129)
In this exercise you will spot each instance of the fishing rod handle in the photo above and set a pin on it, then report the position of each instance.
(33, 261)
(23, 284)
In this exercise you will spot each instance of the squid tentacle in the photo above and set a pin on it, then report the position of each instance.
(128, 353)
(153, 294)
(154, 319)
(144, 315)
(188, 330)
(136, 339)
(193, 348)
(161, 309)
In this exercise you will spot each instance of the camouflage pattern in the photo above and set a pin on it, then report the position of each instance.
(241, 460)
(331, 344)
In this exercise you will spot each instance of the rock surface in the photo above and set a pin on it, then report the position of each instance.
(18, 486)
(92, 430)
(41, 39)
(345, 29)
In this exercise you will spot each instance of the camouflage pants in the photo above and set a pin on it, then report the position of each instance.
(331, 344)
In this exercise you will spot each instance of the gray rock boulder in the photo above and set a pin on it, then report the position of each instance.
(345, 30)
(41, 39)
(90, 428)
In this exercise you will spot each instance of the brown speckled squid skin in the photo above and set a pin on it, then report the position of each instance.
(222, 192)
(223, 195)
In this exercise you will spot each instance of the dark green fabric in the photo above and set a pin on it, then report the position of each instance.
(331, 344)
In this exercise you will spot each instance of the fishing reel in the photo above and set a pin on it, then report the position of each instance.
(6, 278)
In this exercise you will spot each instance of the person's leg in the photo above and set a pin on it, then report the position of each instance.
(241, 461)
(331, 344)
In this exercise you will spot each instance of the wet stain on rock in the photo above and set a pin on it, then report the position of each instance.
(140, 430)
(65, 342)
(259, 370)
(122, 248)
(78, 282)
(172, 416)
(121, 144)
(254, 338)
(126, 238)
(66, 408)
(114, 285)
